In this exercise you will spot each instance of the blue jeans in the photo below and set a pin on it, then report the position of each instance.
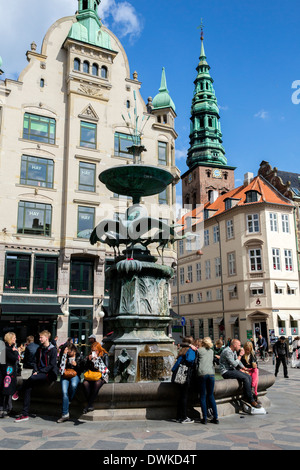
(206, 384)
(69, 387)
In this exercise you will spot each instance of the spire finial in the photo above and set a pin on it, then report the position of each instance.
(201, 27)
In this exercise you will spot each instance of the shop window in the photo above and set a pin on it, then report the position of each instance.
(39, 128)
(86, 221)
(87, 176)
(82, 276)
(34, 218)
(17, 272)
(45, 274)
(36, 171)
(88, 135)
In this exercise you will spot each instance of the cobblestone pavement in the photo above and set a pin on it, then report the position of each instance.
(277, 430)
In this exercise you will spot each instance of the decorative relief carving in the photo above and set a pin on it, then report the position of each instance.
(90, 90)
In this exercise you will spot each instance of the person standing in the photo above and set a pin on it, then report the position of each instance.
(281, 352)
(8, 374)
(206, 379)
(262, 346)
(44, 372)
(29, 354)
(186, 356)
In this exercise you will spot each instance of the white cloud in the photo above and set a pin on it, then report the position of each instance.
(22, 22)
(180, 154)
(262, 114)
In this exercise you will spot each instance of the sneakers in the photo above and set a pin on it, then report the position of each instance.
(63, 418)
(21, 418)
(187, 421)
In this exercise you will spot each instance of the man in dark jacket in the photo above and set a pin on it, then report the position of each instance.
(44, 371)
(281, 352)
(29, 354)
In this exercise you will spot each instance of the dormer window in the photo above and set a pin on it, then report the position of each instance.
(252, 196)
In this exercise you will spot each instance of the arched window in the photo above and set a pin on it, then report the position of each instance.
(42, 83)
(127, 104)
(86, 66)
(103, 71)
(95, 70)
(76, 64)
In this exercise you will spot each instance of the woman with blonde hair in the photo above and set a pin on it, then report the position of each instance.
(8, 374)
(249, 361)
(206, 380)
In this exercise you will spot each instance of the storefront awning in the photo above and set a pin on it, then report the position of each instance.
(292, 285)
(218, 320)
(14, 305)
(232, 320)
(284, 316)
(295, 315)
(256, 285)
(280, 284)
(232, 288)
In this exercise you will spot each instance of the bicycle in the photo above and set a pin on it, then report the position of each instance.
(260, 358)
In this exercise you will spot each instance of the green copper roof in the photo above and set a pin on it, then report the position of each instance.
(163, 99)
(88, 27)
(205, 135)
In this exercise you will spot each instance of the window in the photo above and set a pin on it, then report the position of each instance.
(201, 328)
(191, 298)
(87, 176)
(190, 273)
(285, 223)
(288, 260)
(95, 70)
(122, 142)
(199, 296)
(231, 264)
(208, 295)
(77, 65)
(255, 259)
(229, 229)
(233, 294)
(86, 219)
(218, 266)
(88, 135)
(207, 269)
(276, 258)
(211, 328)
(36, 171)
(291, 290)
(257, 289)
(42, 82)
(206, 237)
(17, 272)
(162, 153)
(228, 203)
(252, 223)
(273, 222)
(279, 288)
(86, 67)
(104, 72)
(34, 218)
(45, 274)
(216, 234)
(181, 275)
(219, 295)
(39, 128)
(198, 272)
(163, 197)
(252, 196)
(182, 299)
(181, 249)
(82, 276)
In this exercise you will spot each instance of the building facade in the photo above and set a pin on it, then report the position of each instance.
(66, 119)
(245, 279)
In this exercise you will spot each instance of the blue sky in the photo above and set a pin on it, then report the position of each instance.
(253, 49)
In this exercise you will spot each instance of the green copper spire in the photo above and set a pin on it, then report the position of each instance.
(205, 136)
(88, 27)
(163, 99)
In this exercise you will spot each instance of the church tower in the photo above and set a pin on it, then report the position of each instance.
(208, 175)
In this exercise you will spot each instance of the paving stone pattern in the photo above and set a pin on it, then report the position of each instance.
(277, 430)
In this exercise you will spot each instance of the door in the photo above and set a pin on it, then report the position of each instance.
(80, 327)
(260, 328)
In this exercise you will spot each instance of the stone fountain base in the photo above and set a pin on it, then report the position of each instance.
(142, 400)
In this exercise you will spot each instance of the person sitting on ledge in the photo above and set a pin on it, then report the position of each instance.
(231, 367)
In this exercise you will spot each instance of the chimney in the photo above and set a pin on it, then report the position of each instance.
(248, 177)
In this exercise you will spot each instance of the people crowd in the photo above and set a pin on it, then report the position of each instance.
(193, 371)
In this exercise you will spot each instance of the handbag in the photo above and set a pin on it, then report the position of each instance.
(69, 374)
(92, 376)
(181, 375)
